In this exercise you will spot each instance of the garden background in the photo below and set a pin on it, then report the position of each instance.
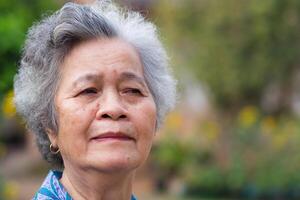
(235, 133)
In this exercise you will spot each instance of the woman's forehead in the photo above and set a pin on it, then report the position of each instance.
(104, 51)
(97, 57)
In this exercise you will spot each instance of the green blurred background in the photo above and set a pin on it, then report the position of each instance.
(235, 133)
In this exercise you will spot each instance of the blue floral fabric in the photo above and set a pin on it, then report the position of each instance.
(52, 189)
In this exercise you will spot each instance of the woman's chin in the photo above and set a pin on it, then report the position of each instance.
(114, 163)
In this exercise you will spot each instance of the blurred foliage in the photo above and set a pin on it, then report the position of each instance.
(15, 18)
(237, 48)
(261, 159)
(2, 150)
(8, 107)
(8, 190)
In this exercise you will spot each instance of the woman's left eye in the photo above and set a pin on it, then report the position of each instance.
(133, 91)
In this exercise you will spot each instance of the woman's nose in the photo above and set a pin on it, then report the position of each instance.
(111, 107)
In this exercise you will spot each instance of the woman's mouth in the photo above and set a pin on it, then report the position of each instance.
(109, 136)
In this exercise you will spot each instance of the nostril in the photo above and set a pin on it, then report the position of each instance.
(122, 117)
(108, 116)
(105, 116)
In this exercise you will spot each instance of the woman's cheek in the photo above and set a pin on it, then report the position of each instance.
(74, 122)
(146, 130)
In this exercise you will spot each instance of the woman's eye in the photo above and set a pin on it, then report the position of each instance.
(88, 91)
(133, 91)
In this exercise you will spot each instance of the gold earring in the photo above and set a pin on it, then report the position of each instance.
(52, 150)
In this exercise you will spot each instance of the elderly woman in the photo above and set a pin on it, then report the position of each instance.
(93, 86)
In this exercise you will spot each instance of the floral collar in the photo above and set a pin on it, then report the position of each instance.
(53, 189)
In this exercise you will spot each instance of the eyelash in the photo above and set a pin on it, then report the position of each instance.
(133, 90)
(88, 91)
(91, 91)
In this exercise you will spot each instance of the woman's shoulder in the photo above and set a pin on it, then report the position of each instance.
(51, 188)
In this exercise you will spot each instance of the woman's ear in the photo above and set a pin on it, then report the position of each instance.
(52, 136)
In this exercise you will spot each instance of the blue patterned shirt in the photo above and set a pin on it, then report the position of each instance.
(52, 189)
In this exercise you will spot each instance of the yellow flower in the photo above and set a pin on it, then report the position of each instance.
(10, 190)
(280, 140)
(213, 131)
(8, 107)
(268, 124)
(174, 120)
(248, 116)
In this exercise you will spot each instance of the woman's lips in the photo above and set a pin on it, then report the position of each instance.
(112, 136)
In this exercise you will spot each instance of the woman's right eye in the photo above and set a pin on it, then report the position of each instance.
(88, 91)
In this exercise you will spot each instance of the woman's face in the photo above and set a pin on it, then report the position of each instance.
(106, 112)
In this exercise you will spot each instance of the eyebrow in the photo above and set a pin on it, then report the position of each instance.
(132, 76)
(125, 76)
(86, 78)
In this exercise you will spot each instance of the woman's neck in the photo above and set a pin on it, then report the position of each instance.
(95, 185)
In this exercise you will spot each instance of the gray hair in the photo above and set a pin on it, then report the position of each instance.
(49, 41)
